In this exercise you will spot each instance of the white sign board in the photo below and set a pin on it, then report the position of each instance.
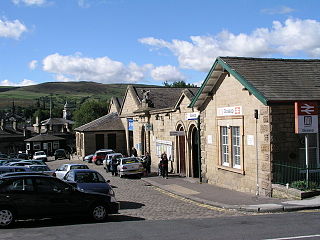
(250, 140)
(229, 111)
(306, 117)
(192, 116)
(177, 133)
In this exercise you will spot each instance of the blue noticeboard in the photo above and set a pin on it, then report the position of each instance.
(130, 124)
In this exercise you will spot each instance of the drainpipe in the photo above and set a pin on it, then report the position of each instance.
(256, 116)
(199, 149)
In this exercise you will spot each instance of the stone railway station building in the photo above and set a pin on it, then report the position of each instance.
(234, 129)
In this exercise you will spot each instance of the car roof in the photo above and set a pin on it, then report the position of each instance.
(74, 164)
(83, 170)
(11, 174)
(12, 167)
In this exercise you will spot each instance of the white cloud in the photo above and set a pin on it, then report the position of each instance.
(104, 69)
(278, 10)
(25, 82)
(167, 74)
(293, 37)
(11, 29)
(30, 2)
(33, 64)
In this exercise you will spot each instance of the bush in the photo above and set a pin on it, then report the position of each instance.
(302, 185)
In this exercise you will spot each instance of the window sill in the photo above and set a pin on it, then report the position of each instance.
(229, 169)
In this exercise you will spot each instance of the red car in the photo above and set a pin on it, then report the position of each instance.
(100, 155)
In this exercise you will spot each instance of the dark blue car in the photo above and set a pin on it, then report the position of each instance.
(88, 180)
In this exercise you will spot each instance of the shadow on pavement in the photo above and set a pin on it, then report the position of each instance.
(130, 205)
(53, 222)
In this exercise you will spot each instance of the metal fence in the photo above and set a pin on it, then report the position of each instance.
(284, 173)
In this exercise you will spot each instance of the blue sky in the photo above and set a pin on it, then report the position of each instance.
(147, 41)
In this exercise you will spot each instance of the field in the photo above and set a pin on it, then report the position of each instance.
(76, 92)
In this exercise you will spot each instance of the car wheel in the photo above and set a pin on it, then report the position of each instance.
(99, 212)
(98, 162)
(6, 217)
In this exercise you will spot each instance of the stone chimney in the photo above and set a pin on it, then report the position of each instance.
(14, 124)
(3, 124)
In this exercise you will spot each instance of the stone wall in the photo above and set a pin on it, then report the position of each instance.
(230, 94)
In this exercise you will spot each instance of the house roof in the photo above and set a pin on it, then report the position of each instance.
(56, 121)
(269, 79)
(43, 138)
(107, 122)
(163, 97)
(117, 101)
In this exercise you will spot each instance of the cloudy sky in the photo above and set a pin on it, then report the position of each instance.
(147, 41)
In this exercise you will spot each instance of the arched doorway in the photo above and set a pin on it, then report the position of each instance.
(194, 151)
(181, 146)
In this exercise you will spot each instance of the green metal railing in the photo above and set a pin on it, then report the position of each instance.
(284, 173)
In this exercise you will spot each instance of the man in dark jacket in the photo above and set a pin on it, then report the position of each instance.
(147, 162)
(164, 163)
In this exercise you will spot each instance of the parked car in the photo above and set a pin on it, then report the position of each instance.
(130, 166)
(35, 162)
(61, 154)
(37, 196)
(61, 171)
(21, 163)
(107, 160)
(100, 155)
(88, 158)
(88, 180)
(7, 169)
(24, 156)
(3, 156)
(40, 155)
(41, 168)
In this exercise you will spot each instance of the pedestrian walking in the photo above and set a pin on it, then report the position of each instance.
(164, 163)
(147, 162)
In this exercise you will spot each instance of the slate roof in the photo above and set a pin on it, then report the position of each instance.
(43, 138)
(163, 97)
(279, 79)
(56, 121)
(107, 122)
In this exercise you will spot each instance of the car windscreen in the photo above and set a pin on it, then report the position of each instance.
(39, 168)
(79, 167)
(89, 177)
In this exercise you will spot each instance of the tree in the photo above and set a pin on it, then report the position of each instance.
(89, 111)
(178, 84)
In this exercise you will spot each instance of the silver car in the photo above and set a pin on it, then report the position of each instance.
(130, 166)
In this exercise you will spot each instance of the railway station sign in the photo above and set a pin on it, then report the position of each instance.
(306, 117)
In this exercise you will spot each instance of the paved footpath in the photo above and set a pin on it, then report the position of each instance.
(141, 200)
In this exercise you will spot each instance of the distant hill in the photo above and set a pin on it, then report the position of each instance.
(61, 91)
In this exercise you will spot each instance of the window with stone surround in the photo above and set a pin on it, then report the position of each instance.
(230, 133)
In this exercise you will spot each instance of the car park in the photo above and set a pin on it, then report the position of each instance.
(62, 170)
(33, 196)
(130, 166)
(61, 154)
(88, 158)
(100, 155)
(88, 180)
(40, 155)
(107, 160)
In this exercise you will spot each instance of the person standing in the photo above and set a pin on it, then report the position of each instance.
(147, 161)
(164, 163)
(134, 152)
(114, 164)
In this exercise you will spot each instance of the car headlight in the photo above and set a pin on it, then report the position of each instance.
(111, 192)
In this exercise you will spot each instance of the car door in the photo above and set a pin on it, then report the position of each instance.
(57, 198)
(61, 172)
(19, 193)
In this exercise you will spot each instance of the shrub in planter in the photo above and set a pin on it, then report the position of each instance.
(302, 185)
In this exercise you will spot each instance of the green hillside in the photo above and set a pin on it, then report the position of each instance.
(76, 92)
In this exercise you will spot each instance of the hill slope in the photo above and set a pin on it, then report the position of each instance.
(71, 91)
